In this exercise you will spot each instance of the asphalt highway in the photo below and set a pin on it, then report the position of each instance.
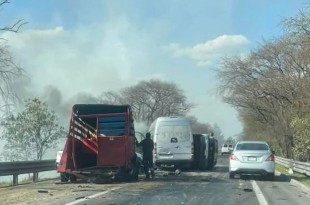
(190, 187)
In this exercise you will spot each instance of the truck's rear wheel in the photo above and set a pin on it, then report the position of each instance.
(64, 177)
(133, 174)
(72, 178)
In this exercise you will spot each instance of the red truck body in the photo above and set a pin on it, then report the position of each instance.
(100, 142)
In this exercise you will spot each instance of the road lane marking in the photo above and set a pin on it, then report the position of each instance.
(92, 196)
(259, 194)
(240, 184)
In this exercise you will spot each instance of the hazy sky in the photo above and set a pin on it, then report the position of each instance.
(76, 46)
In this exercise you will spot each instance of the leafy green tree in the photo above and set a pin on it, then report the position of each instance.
(30, 133)
(301, 148)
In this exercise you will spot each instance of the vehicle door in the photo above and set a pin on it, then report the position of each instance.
(174, 141)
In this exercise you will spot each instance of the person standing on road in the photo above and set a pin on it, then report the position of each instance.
(147, 149)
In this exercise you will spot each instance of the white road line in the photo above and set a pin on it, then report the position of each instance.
(240, 183)
(259, 194)
(92, 196)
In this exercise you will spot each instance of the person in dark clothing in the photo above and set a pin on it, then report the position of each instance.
(147, 149)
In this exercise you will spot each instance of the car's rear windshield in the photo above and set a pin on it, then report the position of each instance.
(252, 146)
(224, 145)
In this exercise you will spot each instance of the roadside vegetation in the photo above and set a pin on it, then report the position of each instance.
(270, 89)
(30, 133)
(5, 184)
(299, 177)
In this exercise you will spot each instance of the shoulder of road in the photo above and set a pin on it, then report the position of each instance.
(299, 180)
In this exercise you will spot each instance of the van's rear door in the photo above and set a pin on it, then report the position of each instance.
(174, 141)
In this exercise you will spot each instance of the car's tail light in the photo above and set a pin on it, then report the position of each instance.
(233, 157)
(270, 158)
(155, 148)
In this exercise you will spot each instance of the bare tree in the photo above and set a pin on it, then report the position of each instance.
(198, 127)
(300, 24)
(111, 97)
(269, 87)
(151, 99)
(217, 133)
(8, 72)
(8, 69)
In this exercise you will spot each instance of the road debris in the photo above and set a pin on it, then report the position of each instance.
(43, 191)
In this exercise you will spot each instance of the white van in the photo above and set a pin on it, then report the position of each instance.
(173, 142)
(227, 148)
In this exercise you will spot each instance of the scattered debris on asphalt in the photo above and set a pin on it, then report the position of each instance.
(43, 191)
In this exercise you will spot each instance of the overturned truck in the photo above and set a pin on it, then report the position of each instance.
(100, 144)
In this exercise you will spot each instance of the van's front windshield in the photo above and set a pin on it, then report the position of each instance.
(166, 132)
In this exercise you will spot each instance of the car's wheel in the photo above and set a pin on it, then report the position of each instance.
(270, 176)
(231, 175)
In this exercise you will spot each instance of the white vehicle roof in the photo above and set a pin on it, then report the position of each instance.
(173, 118)
(177, 120)
(252, 141)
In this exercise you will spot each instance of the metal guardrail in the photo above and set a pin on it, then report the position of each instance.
(25, 167)
(296, 166)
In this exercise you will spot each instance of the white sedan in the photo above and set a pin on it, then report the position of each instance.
(252, 158)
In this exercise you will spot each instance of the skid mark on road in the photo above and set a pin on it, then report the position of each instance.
(259, 194)
(92, 196)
